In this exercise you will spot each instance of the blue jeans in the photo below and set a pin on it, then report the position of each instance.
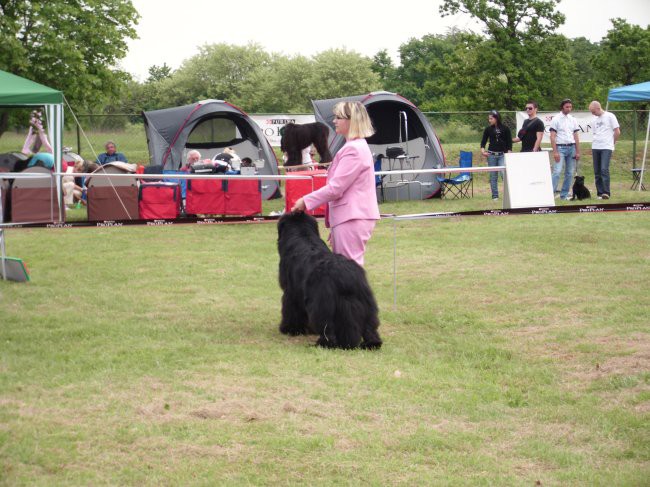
(601, 170)
(494, 160)
(568, 159)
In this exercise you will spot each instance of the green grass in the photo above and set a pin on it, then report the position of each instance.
(518, 352)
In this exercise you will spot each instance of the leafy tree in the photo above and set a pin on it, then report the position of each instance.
(421, 76)
(586, 83)
(337, 73)
(72, 46)
(159, 73)
(625, 54)
(508, 21)
(506, 68)
(221, 71)
(253, 79)
(282, 87)
(383, 66)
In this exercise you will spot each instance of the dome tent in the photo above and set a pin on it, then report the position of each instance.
(397, 122)
(208, 126)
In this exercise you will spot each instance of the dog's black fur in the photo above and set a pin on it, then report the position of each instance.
(324, 293)
(580, 191)
(296, 137)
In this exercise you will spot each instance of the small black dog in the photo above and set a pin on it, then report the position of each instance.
(295, 138)
(580, 191)
(324, 293)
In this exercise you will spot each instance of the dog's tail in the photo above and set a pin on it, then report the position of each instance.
(320, 142)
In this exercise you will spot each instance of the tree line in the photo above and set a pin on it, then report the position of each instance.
(518, 55)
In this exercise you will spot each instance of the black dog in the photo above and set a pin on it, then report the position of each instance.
(295, 138)
(580, 191)
(324, 293)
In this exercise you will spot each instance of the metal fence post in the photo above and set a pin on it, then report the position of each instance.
(634, 140)
(78, 140)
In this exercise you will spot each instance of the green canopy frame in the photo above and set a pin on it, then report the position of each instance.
(20, 92)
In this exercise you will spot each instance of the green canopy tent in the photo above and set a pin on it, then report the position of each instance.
(20, 92)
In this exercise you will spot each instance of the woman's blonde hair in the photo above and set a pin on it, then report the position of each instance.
(355, 112)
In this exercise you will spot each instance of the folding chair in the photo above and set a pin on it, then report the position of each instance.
(379, 180)
(461, 185)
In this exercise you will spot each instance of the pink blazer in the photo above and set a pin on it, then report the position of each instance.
(350, 190)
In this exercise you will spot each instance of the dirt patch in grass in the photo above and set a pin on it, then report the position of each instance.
(589, 358)
(220, 399)
(512, 440)
(628, 355)
(611, 366)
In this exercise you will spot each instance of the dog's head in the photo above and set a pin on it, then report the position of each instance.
(297, 223)
(580, 180)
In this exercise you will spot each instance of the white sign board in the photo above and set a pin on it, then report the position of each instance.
(585, 119)
(272, 123)
(527, 180)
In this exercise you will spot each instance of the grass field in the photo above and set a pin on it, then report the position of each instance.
(518, 354)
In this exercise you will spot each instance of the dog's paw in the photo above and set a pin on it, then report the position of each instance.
(292, 330)
(326, 342)
(371, 345)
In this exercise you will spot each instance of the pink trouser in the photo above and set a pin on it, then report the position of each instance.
(349, 238)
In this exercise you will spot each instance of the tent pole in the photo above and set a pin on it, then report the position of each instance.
(394, 263)
(3, 251)
(645, 152)
(55, 128)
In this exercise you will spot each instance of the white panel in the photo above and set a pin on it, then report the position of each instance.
(527, 180)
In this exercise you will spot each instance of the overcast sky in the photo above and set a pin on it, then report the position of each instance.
(171, 31)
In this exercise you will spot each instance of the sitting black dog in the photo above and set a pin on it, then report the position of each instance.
(324, 293)
(295, 138)
(580, 191)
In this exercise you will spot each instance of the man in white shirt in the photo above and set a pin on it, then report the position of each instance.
(566, 147)
(605, 131)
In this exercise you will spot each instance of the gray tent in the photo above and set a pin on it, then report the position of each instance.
(208, 126)
(397, 122)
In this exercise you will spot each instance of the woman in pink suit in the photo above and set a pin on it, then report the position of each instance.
(350, 192)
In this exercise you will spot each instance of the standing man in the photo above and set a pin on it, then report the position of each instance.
(111, 154)
(566, 147)
(606, 132)
(532, 131)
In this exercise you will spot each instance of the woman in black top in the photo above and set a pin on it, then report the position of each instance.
(500, 143)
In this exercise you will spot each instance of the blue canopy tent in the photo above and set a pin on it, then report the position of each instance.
(637, 92)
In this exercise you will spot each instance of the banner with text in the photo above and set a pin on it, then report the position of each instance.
(271, 124)
(585, 119)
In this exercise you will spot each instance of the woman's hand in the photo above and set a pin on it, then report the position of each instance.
(299, 206)
(484, 153)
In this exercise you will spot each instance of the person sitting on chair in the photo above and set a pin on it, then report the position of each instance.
(111, 154)
(193, 157)
(74, 189)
